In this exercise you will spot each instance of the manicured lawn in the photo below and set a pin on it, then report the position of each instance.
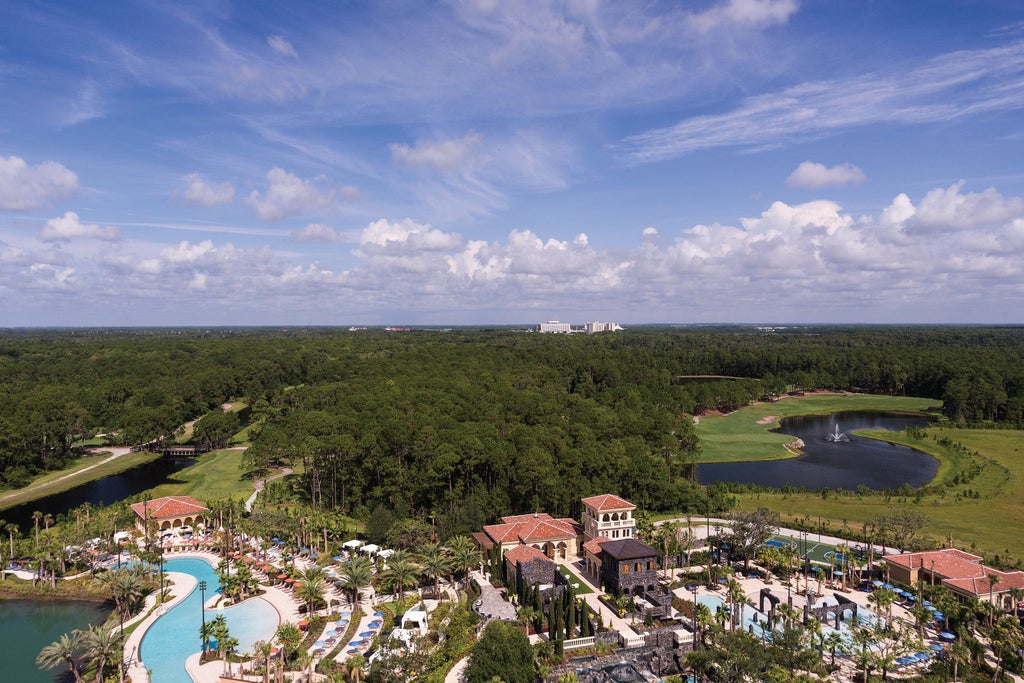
(986, 512)
(739, 437)
(583, 588)
(48, 484)
(217, 474)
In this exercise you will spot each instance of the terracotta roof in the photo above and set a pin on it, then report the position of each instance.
(483, 541)
(169, 506)
(959, 569)
(608, 501)
(525, 553)
(594, 547)
(531, 528)
(628, 549)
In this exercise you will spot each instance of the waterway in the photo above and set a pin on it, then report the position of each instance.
(27, 626)
(175, 635)
(102, 491)
(860, 461)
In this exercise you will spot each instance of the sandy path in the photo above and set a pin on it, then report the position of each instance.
(115, 452)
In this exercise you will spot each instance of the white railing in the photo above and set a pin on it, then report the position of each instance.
(576, 643)
(633, 641)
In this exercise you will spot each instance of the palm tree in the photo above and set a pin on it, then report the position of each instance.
(434, 564)
(355, 668)
(99, 646)
(993, 579)
(737, 598)
(290, 637)
(311, 592)
(401, 573)
(882, 599)
(960, 654)
(465, 556)
(263, 649)
(36, 517)
(356, 572)
(64, 650)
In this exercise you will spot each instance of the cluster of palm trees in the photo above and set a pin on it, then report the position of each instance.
(95, 647)
(127, 587)
(405, 569)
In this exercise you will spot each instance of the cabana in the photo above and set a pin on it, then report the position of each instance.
(353, 544)
(371, 548)
(386, 553)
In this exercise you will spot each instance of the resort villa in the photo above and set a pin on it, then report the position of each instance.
(555, 538)
(170, 512)
(963, 573)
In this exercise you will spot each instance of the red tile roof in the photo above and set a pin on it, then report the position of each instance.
(594, 546)
(608, 501)
(524, 553)
(959, 569)
(169, 506)
(532, 528)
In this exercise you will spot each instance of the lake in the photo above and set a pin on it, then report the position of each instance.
(27, 626)
(100, 491)
(847, 465)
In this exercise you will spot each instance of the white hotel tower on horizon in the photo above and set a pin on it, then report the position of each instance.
(556, 327)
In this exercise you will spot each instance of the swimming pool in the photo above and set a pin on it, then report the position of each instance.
(175, 635)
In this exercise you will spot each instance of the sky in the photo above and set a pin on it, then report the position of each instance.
(508, 162)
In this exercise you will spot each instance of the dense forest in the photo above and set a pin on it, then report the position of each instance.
(467, 421)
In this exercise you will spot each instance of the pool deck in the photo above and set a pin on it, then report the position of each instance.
(286, 607)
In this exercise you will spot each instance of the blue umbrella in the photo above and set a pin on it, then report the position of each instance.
(936, 647)
(938, 616)
(946, 635)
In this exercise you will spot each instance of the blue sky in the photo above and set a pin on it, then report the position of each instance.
(509, 162)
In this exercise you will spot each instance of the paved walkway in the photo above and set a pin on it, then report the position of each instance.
(491, 602)
(260, 483)
(457, 672)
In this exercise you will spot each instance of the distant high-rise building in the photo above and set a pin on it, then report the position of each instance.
(593, 327)
(554, 327)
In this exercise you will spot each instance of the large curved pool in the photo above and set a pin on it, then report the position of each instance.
(175, 635)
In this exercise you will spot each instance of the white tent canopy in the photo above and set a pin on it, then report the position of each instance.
(354, 543)
(371, 548)
(386, 553)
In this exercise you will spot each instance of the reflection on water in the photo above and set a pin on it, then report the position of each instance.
(831, 464)
(27, 626)
(99, 492)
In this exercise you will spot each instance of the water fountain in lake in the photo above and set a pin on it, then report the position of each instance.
(836, 436)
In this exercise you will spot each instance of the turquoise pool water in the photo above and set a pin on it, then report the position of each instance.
(175, 635)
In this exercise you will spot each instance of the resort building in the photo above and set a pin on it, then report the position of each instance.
(555, 538)
(170, 512)
(525, 567)
(594, 327)
(963, 573)
(554, 327)
(628, 566)
(609, 516)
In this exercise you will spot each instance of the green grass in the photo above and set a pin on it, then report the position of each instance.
(47, 484)
(217, 474)
(989, 523)
(584, 587)
(738, 437)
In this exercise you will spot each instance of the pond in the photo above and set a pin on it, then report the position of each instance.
(842, 464)
(100, 491)
(27, 626)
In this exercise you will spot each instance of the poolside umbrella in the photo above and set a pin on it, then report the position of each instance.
(938, 616)
(936, 647)
(878, 583)
(947, 635)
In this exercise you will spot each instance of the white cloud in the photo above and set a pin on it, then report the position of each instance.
(445, 155)
(69, 227)
(24, 187)
(810, 174)
(948, 87)
(949, 209)
(289, 195)
(755, 13)
(318, 232)
(198, 191)
(406, 236)
(282, 47)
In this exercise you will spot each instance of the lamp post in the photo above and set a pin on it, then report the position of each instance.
(202, 610)
(694, 589)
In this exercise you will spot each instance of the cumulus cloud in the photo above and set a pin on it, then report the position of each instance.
(813, 175)
(445, 155)
(198, 191)
(289, 195)
(406, 236)
(755, 13)
(69, 227)
(282, 47)
(318, 232)
(24, 187)
(950, 209)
